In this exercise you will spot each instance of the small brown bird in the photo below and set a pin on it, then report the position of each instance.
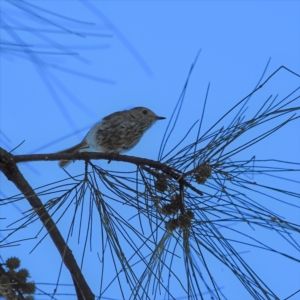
(116, 133)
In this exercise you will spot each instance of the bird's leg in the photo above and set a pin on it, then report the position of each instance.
(114, 156)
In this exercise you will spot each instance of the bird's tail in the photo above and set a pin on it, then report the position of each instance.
(77, 148)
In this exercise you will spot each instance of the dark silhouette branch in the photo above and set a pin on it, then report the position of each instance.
(175, 174)
(11, 171)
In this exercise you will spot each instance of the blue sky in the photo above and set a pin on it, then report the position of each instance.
(131, 54)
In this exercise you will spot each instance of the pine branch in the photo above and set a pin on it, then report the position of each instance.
(12, 173)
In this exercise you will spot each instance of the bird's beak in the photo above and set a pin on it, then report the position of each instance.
(160, 118)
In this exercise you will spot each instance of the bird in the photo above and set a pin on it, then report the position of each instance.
(115, 133)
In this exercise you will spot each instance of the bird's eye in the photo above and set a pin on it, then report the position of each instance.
(145, 111)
